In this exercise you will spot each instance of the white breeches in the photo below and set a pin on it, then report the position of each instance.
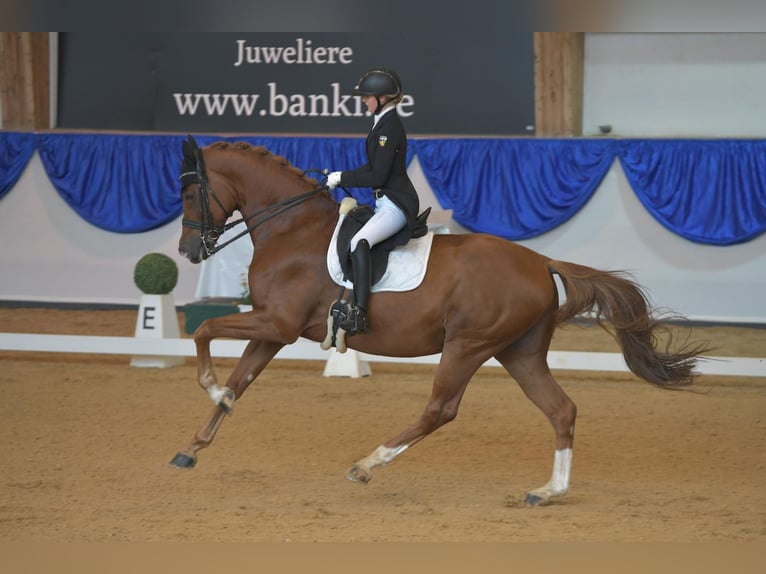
(387, 220)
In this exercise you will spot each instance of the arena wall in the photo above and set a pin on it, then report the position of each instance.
(668, 85)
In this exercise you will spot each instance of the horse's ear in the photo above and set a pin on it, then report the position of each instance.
(190, 162)
(185, 149)
(200, 160)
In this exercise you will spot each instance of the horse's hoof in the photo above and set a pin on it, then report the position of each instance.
(181, 460)
(357, 474)
(535, 500)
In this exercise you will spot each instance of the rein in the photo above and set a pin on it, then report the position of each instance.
(209, 232)
(277, 208)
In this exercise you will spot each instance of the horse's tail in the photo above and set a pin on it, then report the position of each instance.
(615, 298)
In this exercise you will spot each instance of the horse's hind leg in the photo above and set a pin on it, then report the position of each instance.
(256, 356)
(526, 362)
(452, 376)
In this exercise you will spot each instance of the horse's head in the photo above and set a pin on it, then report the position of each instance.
(263, 187)
(203, 220)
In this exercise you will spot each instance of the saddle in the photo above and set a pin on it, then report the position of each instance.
(379, 254)
(354, 218)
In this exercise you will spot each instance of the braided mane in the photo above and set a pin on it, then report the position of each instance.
(264, 153)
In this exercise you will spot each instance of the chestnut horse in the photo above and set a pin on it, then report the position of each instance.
(481, 297)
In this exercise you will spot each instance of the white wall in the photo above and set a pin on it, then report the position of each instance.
(58, 256)
(697, 85)
(614, 231)
(50, 254)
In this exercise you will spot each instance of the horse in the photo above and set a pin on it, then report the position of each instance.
(482, 297)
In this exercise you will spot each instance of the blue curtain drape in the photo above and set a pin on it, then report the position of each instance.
(514, 188)
(129, 183)
(710, 192)
(15, 151)
(120, 183)
(707, 191)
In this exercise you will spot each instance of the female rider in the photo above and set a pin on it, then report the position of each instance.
(396, 201)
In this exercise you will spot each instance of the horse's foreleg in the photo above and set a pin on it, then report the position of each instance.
(256, 356)
(236, 326)
(206, 375)
(451, 379)
(187, 456)
(537, 382)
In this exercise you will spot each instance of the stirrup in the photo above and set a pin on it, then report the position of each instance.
(355, 322)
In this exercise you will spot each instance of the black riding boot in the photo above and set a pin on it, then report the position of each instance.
(361, 268)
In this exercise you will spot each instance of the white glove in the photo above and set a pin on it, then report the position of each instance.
(333, 179)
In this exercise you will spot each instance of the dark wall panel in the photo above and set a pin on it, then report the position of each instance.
(478, 83)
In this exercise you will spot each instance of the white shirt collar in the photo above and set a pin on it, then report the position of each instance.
(381, 114)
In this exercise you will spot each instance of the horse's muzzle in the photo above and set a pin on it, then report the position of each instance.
(195, 256)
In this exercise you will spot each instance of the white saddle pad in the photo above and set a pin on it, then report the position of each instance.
(406, 264)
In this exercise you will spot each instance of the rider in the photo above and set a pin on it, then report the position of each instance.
(396, 201)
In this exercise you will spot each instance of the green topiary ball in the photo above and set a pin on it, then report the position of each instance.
(156, 274)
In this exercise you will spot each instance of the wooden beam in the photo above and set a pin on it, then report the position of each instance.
(559, 60)
(25, 80)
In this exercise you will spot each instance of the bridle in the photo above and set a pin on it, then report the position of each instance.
(209, 231)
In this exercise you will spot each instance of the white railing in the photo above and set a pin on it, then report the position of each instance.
(305, 349)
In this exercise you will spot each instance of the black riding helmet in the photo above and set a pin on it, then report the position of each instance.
(380, 82)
